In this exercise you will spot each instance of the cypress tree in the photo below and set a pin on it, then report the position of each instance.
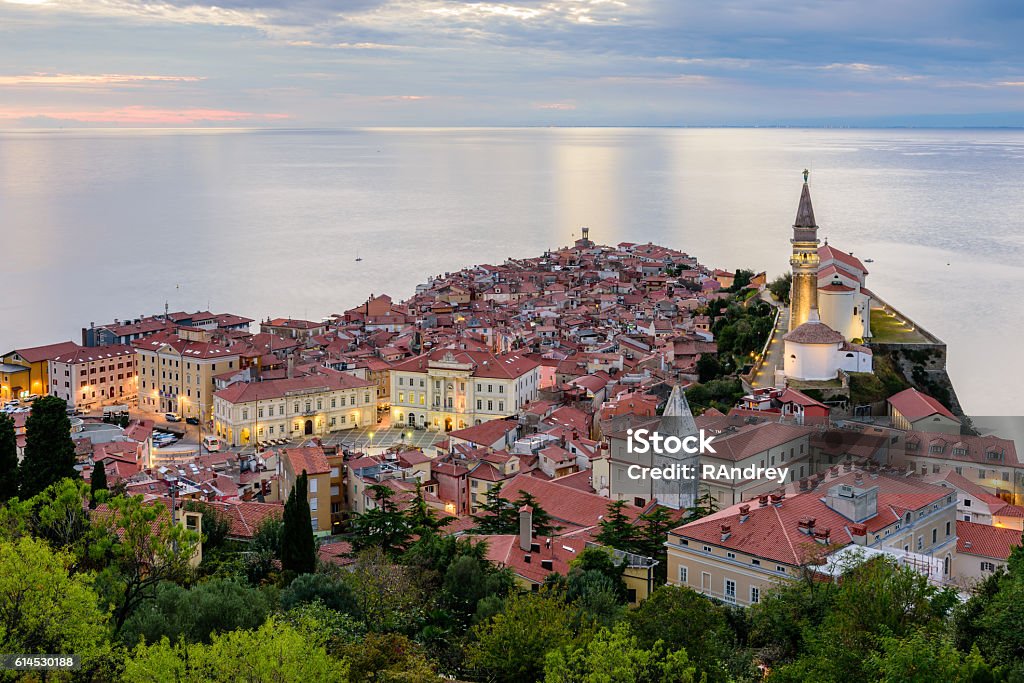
(8, 459)
(49, 450)
(99, 482)
(298, 548)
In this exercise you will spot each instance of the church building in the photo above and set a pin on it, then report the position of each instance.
(830, 307)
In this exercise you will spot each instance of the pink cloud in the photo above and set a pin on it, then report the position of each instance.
(143, 115)
(64, 80)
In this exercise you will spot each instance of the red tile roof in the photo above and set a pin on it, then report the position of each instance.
(914, 405)
(310, 459)
(984, 540)
(247, 392)
(36, 354)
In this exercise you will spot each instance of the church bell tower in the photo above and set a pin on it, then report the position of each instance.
(803, 293)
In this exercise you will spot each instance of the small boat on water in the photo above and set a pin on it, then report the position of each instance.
(358, 257)
(869, 260)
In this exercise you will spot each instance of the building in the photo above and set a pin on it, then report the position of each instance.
(26, 372)
(455, 388)
(844, 302)
(249, 412)
(89, 377)
(911, 409)
(816, 352)
(988, 461)
(176, 371)
(293, 329)
(981, 549)
(738, 553)
(291, 463)
(129, 330)
(803, 261)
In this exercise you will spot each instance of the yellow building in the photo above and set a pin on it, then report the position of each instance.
(739, 553)
(176, 371)
(456, 388)
(25, 372)
(310, 405)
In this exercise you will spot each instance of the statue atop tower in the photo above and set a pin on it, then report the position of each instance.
(804, 261)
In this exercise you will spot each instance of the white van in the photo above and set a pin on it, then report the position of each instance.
(211, 444)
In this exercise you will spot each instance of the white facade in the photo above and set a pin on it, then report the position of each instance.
(94, 376)
(811, 361)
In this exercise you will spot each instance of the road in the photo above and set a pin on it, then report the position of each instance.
(774, 357)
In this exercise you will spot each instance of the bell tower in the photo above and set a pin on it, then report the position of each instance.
(803, 293)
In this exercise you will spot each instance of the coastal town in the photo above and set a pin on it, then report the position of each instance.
(498, 400)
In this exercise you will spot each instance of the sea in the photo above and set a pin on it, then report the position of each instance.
(97, 225)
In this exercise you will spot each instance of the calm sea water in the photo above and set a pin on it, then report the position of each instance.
(98, 225)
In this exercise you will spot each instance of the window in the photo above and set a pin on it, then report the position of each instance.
(683, 574)
(947, 528)
(780, 568)
(312, 485)
(731, 555)
(755, 595)
(730, 590)
(756, 562)
(988, 567)
(935, 535)
(313, 504)
(706, 549)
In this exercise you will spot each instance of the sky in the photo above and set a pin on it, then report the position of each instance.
(342, 63)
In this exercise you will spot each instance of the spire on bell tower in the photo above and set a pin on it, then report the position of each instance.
(803, 293)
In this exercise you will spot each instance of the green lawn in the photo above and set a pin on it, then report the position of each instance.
(888, 329)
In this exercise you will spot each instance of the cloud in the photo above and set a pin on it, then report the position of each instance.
(141, 115)
(79, 80)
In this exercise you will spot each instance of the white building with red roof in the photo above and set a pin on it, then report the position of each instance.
(911, 409)
(88, 377)
(981, 549)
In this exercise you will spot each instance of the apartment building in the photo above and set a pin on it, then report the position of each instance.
(291, 463)
(739, 553)
(454, 388)
(89, 377)
(26, 371)
(247, 412)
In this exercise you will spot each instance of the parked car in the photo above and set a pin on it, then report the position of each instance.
(171, 417)
(192, 420)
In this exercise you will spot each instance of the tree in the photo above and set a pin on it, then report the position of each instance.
(511, 646)
(8, 459)
(780, 287)
(387, 595)
(602, 562)
(685, 620)
(216, 525)
(330, 590)
(708, 368)
(98, 483)
(497, 515)
(49, 450)
(265, 549)
(149, 550)
(470, 579)
(421, 518)
(276, 651)
(387, 658)
(383, 526)
(43, 608)
(197, 613)
(616, 655)
(654, 526)
(617, 530)
(921, 658)
(298, 547)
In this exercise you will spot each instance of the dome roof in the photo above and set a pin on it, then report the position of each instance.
(814, 332)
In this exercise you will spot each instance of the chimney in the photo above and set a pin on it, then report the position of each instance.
(762, 501)
(777, 499)
(804, 484)
(834, 471)
(726, 532)
(526, 527)
(859, 533)
(806, 525)
(291, 366)
(823, 536)
(858, 479)
(847, 466)
(744, 513)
